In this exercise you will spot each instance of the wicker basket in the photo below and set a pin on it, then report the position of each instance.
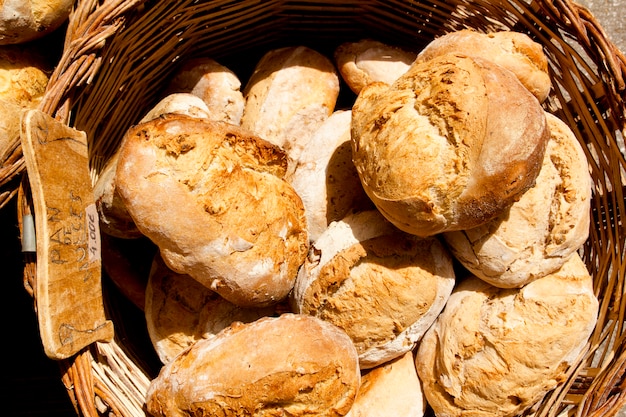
(117, 54)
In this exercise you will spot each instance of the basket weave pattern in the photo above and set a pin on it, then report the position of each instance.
(118, 53)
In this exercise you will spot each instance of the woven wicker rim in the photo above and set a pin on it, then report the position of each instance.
(116, 53)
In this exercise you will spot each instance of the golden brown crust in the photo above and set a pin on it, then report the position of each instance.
(514, 51)
(449, 145)
(293, 365)
(483, 356)
(212, 196)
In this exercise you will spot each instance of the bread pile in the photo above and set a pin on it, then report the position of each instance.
(415, 251)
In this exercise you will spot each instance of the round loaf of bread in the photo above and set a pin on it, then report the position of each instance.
(26, 20)
(514, 51)
(180, 311)
(367, 60)
(215, 84)
(115, 220)
(496, 352)
(538, 233)
(325, 177)
(391, 389)
(292, 365)
(382, 286)
(212, 197)
(291, 91)
(449, 145)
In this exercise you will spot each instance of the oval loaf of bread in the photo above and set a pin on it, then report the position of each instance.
(449, 145)
(325, 177)
(382, 286)
(292, 365)
(291, 91)
(368, 60)
(514, 51)
(180, 311)
(212, 197)
(496, 352)
(537, 234)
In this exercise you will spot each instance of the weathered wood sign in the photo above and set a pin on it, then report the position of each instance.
(69, 302)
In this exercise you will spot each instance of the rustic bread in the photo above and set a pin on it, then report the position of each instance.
(537, 234)
(294, 365)
(382, 286)
(212, 197)
(217, 85)
(390, 390)
(291, 91)
(180, 311)
(325, 177)
(22, 21)
(449, 145)
(496, 352)
(367, 60)
(115, 220)
(514, 51)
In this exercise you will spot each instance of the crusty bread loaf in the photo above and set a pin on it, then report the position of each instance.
(514, 51)
(115, 220)
(390, 390)
(537, 234)
(180, 311)
(22, 21)
(291, 91)
(293, 365)
(382, 286)
(449, 145)
(213, 199)
(325, 177)
(368, 60)
(217, 85)
(496, 352)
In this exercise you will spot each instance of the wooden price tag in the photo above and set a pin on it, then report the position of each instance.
(69, 306)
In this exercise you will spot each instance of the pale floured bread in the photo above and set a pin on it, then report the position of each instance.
(213, 199)
(382, 286)
(367, 60)
(514, 51)
(25, 20)
(325, 177)
(392, 389)
(537, 234)
(217, 85)
(180, 311)
(292, 365)
(449, 145)
(496, 352)
(115, 220)
(291, 91)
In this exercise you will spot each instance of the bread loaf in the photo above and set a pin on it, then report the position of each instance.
(382, 286)
(291, 91)
(325, 177)
(214, 83)
(293, 365)
(25, 20)
(367, 60)
(180, 311)
(449, 145)
(115, 220)
(537, 234)
(514, 51)
(391, 389)
(212, 197)
(496, 352)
